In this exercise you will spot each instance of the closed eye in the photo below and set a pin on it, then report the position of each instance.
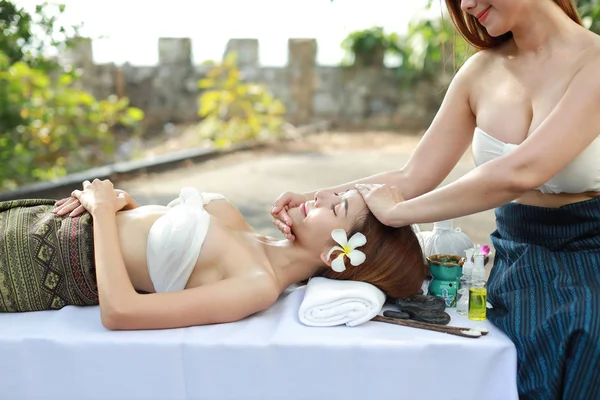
(333, 209)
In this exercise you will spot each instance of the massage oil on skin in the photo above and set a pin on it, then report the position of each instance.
(478, 292)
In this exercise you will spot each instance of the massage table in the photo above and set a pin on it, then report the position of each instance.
(69, 355)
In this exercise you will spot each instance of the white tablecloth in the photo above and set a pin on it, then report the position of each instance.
(67, 354)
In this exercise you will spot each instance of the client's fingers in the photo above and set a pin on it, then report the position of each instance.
(78, 211)
(67, 206)
(61, 202)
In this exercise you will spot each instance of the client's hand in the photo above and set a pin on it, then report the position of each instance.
(72, 205)
(281, 219)
(381, 200)
(68, 205)
(100, 195)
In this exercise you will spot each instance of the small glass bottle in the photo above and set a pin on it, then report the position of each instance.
(478, 291)
(462, 298)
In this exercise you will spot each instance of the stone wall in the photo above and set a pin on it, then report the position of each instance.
(348, 96)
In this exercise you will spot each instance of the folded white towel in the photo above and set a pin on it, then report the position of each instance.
(331, 302)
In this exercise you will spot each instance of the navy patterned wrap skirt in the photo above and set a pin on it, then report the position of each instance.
(545, 290)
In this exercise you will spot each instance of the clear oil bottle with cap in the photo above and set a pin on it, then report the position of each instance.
(462, 300)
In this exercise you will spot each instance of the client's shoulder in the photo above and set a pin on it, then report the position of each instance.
(228, 214)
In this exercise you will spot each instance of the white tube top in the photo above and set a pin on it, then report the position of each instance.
(175, 239)
(581, 175)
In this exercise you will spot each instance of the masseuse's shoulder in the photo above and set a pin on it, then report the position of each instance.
(476, 65)
(589, 60)
(586, 68)
(483, 60)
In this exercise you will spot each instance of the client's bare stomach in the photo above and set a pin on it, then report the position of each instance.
(539, 199)
(133, 227)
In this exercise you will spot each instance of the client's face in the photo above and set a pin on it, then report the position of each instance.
(314, 220)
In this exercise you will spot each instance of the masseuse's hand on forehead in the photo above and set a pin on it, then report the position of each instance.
(381, 200)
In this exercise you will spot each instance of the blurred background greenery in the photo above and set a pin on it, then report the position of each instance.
(50, 125)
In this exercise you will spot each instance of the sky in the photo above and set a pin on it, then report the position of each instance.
(131, 28)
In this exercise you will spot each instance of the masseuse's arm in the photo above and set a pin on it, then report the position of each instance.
(448, 137)
(567, 131)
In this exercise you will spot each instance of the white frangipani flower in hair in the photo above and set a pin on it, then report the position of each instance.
(347, 248)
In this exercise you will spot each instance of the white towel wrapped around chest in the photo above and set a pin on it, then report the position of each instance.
(330, 302)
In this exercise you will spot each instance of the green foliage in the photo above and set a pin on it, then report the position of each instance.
(48, 125)
(589, 10)
(368, 47)
(431, 48)
(54, 128)
(233, 110)
(26, 37)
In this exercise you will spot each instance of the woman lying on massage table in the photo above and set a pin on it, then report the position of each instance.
(197, 259)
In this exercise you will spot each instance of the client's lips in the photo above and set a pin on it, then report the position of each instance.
(303, 208)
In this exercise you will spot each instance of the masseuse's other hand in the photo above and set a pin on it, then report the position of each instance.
(281, 219)
(381, 200)
(100, 195)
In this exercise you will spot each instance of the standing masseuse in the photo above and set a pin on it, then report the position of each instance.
(529, 104)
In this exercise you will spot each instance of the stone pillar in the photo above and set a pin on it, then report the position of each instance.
(302, 60)
(81, 57)
(173, 95)
(247, 52)
(175, 51)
